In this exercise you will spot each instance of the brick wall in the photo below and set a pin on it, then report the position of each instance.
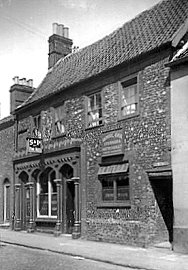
(147, 141)
(6, 167)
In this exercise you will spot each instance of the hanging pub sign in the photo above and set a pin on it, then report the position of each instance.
(34, 145)
(112, 143)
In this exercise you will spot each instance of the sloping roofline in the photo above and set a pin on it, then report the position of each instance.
(164, 23)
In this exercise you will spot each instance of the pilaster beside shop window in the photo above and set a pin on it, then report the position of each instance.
(77, 223)
(58, 228)
(18, 207)
(31, 224)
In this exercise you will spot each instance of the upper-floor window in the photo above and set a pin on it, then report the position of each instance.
(94, 110)
(129, 97)
(37, 126)
(60, 120)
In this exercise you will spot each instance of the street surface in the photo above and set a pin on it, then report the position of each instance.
(20, 258)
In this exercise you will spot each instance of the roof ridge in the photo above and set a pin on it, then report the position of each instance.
(147, 31)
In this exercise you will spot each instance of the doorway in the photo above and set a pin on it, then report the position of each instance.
(25, 207)
(25, 200)
(162, 188)
(70, 206)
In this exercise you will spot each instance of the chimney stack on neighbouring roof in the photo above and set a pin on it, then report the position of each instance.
(20, 91)
(59, 44)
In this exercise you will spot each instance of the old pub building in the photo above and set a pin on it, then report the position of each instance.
(93, 141)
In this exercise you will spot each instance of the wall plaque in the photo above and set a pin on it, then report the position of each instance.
(112, 143)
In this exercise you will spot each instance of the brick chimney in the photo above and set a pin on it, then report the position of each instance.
(59, 44)
(20, 91)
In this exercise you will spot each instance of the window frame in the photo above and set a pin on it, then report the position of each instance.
(36, 127)
(61, 120)
(120, 87)
(6, 197)
(87, 110)
(115, 202)
(49, 198)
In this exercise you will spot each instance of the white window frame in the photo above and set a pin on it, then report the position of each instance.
(94, 122)
(6, 185)
(121, 87)
(49, 199)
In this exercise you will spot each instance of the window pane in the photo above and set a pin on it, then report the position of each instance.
(128, 105)
(123, 189)
(60, 116)
(27, 198)
(98, 100)
(94, 110)
(107, 190)
(7, 196)
(54, 204)
(43, 196)
(39, 122)
(53, 197)
(91, 103)
(43, 204)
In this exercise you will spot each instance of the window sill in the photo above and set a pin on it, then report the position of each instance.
(50, 219)
(125, 204)
(90, 128)
(128, 116)
(58, 136)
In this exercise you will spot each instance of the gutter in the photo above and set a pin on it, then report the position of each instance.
(177, 62)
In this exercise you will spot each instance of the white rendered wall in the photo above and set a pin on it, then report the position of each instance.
(179, 128)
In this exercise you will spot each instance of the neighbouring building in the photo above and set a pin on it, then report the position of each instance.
(179, 127)
(19, 92)
(93, 142)
(6, 169)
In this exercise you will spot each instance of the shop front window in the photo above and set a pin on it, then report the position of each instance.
(115, 188)
(47, 195)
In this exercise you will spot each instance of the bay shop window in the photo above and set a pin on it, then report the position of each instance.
(47, 196)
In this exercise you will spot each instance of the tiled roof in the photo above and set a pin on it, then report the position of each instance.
(147, 31)
(6, 122)
(6, 119)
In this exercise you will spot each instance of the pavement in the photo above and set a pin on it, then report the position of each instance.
(152, 258)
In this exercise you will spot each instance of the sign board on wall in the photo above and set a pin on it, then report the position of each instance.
(112, 143)
(34, 145)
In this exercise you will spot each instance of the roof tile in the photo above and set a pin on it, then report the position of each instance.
(147, 31)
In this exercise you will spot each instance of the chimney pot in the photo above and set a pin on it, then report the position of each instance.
(66, 32)
(59, 30)
(16, 80)
(30, 82)
(61, 26)
(55, 27)
(24, 81)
